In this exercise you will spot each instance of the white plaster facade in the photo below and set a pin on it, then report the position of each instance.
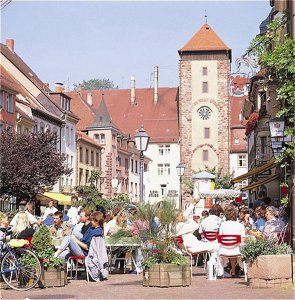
(161, 179)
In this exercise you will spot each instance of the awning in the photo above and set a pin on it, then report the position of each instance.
(271, 164)
(203, 175)
(220, 193)
(60, 198)
(260, 182)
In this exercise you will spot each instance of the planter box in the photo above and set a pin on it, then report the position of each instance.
(53, 277)
(165, 275)
(270, 270)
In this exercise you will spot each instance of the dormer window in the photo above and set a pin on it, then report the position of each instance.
(65, 103)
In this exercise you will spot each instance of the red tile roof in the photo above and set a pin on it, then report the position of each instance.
(82, 136)
(80, 108)
(46, 103)
(7, 81)
(23, 67)
(204, 40)
(160, 120)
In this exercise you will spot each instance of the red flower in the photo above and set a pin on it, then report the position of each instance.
(253, 119)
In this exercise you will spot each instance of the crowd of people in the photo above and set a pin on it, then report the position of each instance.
(75, 229)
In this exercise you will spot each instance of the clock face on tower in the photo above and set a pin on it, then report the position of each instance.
(204, 112)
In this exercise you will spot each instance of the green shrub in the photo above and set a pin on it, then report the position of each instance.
(44, 249)
(254, 248)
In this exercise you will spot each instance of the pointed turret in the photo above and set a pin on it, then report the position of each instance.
(103, 118)
(204, 40)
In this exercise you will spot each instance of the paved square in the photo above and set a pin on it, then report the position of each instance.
(129, 286)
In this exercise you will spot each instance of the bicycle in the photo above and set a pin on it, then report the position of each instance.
(20, 267)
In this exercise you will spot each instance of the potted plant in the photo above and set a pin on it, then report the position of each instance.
(162, 265)
(268, 264)
(53, 270)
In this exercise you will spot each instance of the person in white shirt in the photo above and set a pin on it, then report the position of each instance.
(233, 227)
(51, 209)
(29, 209)
(213, 221)
(73, 212)
(186, 228)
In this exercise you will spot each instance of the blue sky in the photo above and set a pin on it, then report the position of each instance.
(84, 40)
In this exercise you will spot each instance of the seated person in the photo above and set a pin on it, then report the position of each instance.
(260, 221)
(83, 225)
(51, 209)
(4, 221)
(112, 223)
(22, 228)
(73, 212)
(205, 214)
(59, 228)
(273, 225)
(244, 218)
(186, 228)
(231, 226)
(213, 221)
(120, 222)
(72, 246)
(29, 209)
(49, 221)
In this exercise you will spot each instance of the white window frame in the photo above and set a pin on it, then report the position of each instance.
(242, 161)
(160, 169)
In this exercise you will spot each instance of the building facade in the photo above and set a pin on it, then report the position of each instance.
(239, 86)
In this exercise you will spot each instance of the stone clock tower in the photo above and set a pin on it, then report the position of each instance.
(204, 106)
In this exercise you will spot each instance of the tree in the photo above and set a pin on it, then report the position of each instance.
(29, 163)
(275, 53)
(96, 84)
(222, 181)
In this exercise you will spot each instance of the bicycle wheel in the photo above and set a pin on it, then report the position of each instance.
(21, 269)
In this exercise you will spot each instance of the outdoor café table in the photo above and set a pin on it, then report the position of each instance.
(132, 247)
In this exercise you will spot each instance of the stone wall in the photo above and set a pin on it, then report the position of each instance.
(186, 106)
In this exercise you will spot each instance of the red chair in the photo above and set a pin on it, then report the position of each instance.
(210, 235)
(30, 245)
(229, 241)
(73, 265)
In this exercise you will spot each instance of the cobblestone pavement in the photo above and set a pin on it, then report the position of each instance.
(129, 286)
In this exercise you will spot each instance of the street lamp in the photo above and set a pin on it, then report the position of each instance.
(115, 184)
(180, 171)
(141, 139)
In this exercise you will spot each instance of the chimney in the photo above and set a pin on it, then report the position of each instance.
(132, 90)
(10, 44)
(156, 82)
(59, 87)
(89, 99)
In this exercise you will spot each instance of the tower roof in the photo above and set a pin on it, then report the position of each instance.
(204, 40)
(103, 118)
